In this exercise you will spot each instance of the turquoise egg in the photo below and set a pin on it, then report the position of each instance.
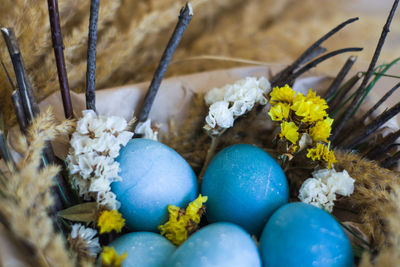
(218, 244)
(300, 234)
(153, 177)
(144, 249)
(244, 185)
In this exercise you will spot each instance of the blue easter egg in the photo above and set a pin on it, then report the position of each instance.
(153, 177)
(218, 244)
(300, 234)
(144, 249)
(244, 185)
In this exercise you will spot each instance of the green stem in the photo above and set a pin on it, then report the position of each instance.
(354, 234)
(384, 75)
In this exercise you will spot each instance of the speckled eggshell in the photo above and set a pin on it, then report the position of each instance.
(244, 185)
(153, 177)
(145, 249)
(300, 234)
(218, 244)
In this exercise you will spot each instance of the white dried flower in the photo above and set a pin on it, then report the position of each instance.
(233, 100)
(94, 146)
(108, 199)
(145, 129)
(315, 192)
(305, 141)
(248, 90)
(220, 114)
(115, 124)
(90, 124)
(321, 190)
(215, 95)
(85, 239)
(340, 182)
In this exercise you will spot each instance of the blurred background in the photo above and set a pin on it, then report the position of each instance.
(133, 34)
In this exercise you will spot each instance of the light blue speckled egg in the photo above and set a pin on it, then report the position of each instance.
(218, 244)
(300, 234)
(244, 185)
(145, 249)
(154, 176)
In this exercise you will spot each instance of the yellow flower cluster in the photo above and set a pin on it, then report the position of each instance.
(181, 222)
(322, 152)
(110, 257)
(110, 220)
(289, 130)
(302, 114)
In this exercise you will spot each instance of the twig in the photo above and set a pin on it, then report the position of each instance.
(17, 103)
(8, 76)
(372, 126)
(185, 16)
(58, 46)
(24, 87)
(19, 111)
(345, 89)
(24, 97)
(91, 56)
(3, 148)
(4, 151)
(348, 113)
(390, 161)
(382, 146)
(380, 102)
(314, 53)
(281, 77)
(316, 61)
(340, 77)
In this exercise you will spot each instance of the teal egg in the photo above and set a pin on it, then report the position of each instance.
(300, 234)
(153, 177)
(144, 249)
(218, 244)
(244, 185)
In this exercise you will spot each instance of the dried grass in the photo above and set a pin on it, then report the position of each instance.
(390, 254)
(27, 196)
(372, 197)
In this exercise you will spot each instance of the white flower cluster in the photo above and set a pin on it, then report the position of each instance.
(92, 245)
(233, 100)
(145, 129)
(321, 190)
(94, 146)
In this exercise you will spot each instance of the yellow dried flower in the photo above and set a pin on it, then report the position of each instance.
(282, 94)
(321, 130)
(110, 220)
(311, 108)
(322, 152)
(279, 111)
(181, 222)
(289, 130)
(110, 257)
(313, 97)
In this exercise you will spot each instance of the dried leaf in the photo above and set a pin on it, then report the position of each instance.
(86, 212)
